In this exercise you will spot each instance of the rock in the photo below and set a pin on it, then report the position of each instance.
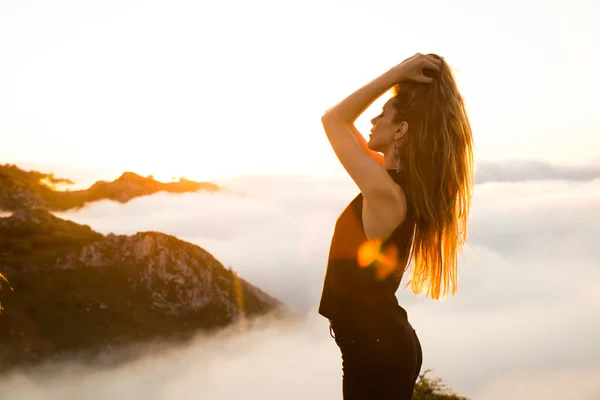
(76, 289)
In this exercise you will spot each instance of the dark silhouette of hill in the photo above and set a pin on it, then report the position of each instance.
(33, 189)
(77, 290)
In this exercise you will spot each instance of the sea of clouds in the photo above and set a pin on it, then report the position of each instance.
(524, 325)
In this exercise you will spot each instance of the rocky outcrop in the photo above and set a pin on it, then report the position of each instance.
(76, 289)
(180, 276)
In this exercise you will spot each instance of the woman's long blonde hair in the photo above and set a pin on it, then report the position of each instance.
(437, 156)
(2, 278)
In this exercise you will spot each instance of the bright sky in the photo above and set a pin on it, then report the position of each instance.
(212, 89)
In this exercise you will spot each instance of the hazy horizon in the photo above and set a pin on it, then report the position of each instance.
(197, 89)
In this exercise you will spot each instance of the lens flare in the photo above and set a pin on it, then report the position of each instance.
(384, 261)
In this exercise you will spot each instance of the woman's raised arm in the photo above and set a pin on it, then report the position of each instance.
(349, 145)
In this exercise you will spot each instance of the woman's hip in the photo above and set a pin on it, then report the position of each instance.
(378, 357)
(382, 346)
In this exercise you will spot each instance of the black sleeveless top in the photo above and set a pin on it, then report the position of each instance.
(360, 290)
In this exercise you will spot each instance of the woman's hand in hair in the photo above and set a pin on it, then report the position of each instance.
(419, 68)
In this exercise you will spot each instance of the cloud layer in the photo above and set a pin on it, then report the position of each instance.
(522, 326)
(534, 170)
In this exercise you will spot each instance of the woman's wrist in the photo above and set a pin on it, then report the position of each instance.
(397, 74)
(352, 106)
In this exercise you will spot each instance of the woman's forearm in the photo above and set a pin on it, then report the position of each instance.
(348, 110)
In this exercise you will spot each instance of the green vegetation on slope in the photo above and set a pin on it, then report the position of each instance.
(433, 389)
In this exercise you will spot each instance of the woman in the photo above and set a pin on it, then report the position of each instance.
(412, 210)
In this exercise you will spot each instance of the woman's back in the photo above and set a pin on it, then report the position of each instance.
(363, 276)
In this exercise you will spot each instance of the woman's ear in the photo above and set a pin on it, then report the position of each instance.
(401, 130)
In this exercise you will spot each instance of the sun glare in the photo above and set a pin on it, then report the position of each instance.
(371, 255)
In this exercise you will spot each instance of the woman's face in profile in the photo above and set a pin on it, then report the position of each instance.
(382, 133)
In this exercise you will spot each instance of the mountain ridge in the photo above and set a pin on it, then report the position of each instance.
(33, 189)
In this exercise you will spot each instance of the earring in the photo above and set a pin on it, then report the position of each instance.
(397, 157)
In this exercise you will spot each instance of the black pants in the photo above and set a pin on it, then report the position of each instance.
(384, 364)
